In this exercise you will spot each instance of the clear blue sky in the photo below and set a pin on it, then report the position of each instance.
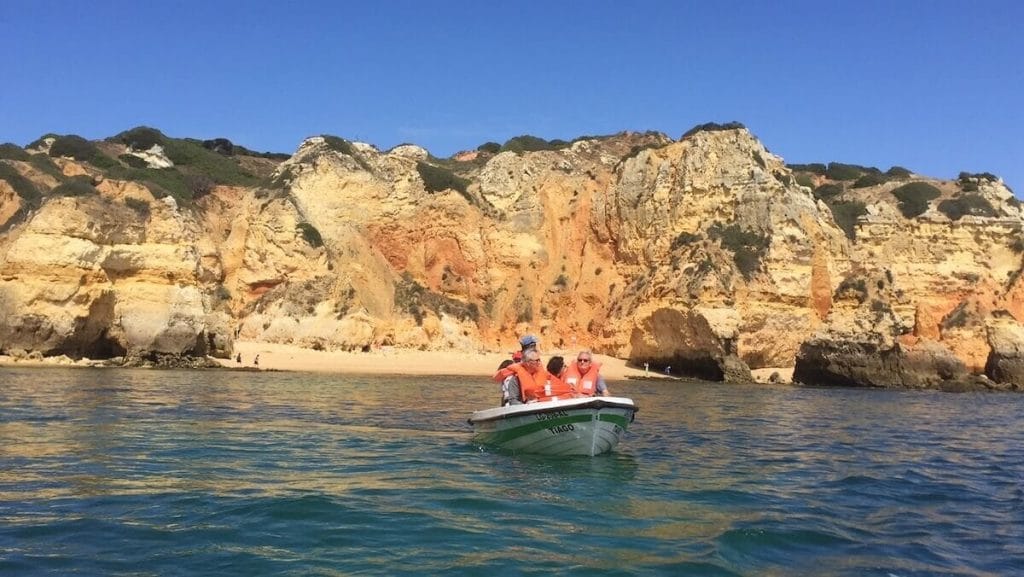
(931, 85)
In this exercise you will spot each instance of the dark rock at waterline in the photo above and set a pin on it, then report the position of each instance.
(167, 361)
(926, 365)
(1005, 362)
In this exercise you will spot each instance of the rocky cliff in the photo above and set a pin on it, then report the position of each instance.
(707, 253)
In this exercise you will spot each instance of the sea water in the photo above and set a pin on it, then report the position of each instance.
(134, 472)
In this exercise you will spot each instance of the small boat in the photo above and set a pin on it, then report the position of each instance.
(582, 426)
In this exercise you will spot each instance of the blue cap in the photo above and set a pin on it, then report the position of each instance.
(527, 341)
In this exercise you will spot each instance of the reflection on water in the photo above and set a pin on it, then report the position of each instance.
(106, 472)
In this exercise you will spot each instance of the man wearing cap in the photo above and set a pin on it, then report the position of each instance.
(526, 342)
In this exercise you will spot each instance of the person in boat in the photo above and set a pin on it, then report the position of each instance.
(584, 376)
(526, 342)
(531, 382)
(556, 366)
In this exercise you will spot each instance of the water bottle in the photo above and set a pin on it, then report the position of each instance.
(547, 388)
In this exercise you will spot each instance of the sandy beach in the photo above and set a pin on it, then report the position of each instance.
(385, 360)
(410, 362)
(396, 361)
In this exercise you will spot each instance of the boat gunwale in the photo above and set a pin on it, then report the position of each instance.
(594, 403)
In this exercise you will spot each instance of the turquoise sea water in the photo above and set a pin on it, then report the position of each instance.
(123, 472)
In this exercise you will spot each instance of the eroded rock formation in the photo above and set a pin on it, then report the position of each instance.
(707, 253)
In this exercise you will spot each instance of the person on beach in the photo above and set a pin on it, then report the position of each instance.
(584, 376)
(256, 362)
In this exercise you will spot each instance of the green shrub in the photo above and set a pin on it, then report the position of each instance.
(712, 127)
(161, 181)
(747, 246)
(310, 234)
(827, 191)
(898, 172)
(133, 161)
(345, 147)
(957, 318)
(851, 286)
(243, 151)
(39, 142)
(968, 185)
(339, 144)
(282, 179)
(437, 179)
(413, 297)
(199, 184)
(967, 204)
(9, 151)
(1017, 245)
(684, 239)
(492, 147)
(138, 205)
(75, 186)
(637, 149)
(22, 186)
(45, 164)
(914, 197)
(870, 179)
(220, 146)
(805, 180)
(103, 161)
(963, 176)
(141, 138)
(191, 157)
(814, 168)
(846, 214)
(73, 146)
(840, 171)
(527, 143)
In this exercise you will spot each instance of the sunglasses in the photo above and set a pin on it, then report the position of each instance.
(582, 360)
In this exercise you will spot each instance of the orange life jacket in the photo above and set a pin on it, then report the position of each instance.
(534, 387)
(502, 374)
(583, 383)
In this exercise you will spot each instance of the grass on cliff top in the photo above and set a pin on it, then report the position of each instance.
(863, 176)
(196, 168)
(712, 127)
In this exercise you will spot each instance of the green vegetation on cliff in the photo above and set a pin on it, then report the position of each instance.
(22, 186)
(914, 197)
(748, 247)
(415, 299)
(967, 205)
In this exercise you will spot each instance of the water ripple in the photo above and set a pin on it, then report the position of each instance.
(186, 473)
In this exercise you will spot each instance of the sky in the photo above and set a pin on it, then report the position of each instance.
(935, 86)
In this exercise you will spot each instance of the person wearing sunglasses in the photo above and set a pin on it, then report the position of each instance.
(584, 376)
(530, 382)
